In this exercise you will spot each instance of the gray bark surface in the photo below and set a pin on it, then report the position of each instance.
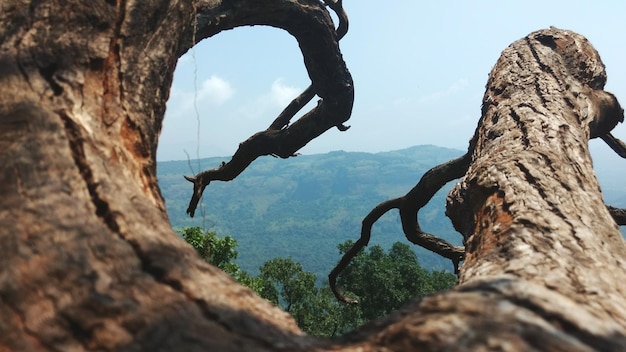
(88, 259)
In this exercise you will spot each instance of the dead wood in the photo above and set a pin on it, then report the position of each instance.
(409, 206)
(330, 78)
(89, 261)
(539, 240)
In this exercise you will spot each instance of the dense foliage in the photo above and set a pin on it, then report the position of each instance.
(382, 281)
(302, 207)
(220, 252)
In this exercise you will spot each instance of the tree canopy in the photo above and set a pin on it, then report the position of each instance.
(285, 283)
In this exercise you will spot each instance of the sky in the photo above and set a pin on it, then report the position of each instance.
(419, 72)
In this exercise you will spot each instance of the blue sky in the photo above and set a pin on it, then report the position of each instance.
(419, 71)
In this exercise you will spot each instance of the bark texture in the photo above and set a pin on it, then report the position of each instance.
(544, 259)
(530, 207)
(88, 260)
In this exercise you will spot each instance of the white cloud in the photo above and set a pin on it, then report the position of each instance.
(211, 93)
(215, 90)
(268, 104)
(282, 94)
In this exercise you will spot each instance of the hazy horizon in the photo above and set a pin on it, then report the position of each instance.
(419, 74)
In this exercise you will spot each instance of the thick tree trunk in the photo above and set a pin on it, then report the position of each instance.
(545, 262)
(89, 262)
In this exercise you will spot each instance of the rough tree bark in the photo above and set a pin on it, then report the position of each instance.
(544, 260)
(88, 260)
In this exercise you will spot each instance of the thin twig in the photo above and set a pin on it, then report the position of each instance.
(296, 105)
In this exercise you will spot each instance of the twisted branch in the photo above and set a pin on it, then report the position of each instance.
(310, 23)
(409, 206)
(305, 97)
(337, 6)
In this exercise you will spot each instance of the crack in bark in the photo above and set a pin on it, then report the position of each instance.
(522, 127)
(531, 180)
(160, 275)
(544, 101)
(75, 139)
(113, 77)
(544, 68)
(117, 35)
(214, 317)
(48, 75)
(103, 211)
(531, 107)
(543, 39)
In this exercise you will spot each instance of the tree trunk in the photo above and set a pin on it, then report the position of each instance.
(544, 261)
(89, 261)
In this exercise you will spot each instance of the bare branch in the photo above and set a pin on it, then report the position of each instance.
(310, 23)
(337, 6)
(296, 105)
(617, 145)
(366, 232)
(421, 194)
(409, 206)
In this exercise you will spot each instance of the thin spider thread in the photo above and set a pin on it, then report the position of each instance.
(195, 106)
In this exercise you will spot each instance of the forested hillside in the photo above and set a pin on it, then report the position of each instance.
(303, 207)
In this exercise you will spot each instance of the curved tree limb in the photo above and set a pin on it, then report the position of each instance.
(409, 206)
(420, 195)
(366, 232)
(309, 22)
(337, 6)
(300, 101)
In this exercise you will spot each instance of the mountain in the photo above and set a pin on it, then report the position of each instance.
(303, 207)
